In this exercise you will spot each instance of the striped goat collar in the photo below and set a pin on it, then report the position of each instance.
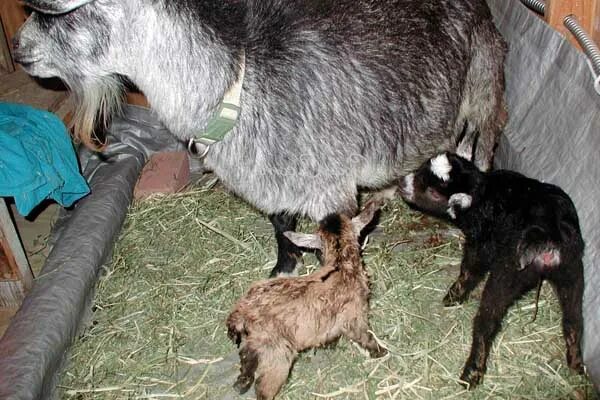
(223, 120)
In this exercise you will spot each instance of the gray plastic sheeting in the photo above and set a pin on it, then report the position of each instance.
(33, 348)
(554, 135)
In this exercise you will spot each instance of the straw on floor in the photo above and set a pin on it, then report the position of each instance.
(182, 261)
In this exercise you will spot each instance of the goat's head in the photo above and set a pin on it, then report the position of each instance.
(337, 231)
(77, 41)
(442, 185)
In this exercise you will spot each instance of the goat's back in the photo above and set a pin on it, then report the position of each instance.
(355, 93)
(512, 205)
(307, 311)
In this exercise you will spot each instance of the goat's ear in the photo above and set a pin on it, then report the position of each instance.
(55, 6)
(306, 240)
(458, 201)
(366, 215)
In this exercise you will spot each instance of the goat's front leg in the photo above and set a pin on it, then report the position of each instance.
(569, 286)
(358, 332)
(500, 292)
(288, 254)
(471, 273)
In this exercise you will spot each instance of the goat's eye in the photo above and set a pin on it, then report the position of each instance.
(434, 194)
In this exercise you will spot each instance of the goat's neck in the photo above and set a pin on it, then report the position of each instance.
(181, 68)
(475, 221)
(349, 261)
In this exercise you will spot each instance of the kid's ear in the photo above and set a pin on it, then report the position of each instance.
(460, 201)
(306, 240)
(366, 215)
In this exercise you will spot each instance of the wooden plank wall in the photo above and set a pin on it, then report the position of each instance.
(586, 11)
(12, 16)
(16, 277)
(6, 64)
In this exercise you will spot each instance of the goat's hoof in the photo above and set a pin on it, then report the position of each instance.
(471, 377)
(576, 364)
(451, 300)
(243, 383)
(378, 353)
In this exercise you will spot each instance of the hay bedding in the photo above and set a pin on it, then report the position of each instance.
(183, 260)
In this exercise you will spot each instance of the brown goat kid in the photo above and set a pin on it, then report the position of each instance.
(280, 317)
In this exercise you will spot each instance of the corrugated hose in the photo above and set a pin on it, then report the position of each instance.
(585, 41)
(536, 5)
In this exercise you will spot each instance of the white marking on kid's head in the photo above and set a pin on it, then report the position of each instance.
(461, 200)
(440, 166)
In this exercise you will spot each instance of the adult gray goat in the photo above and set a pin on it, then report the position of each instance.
(336, 94)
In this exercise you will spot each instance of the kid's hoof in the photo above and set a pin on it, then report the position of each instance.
(451, 300)
(380, 352)
(576, 364)
(471, 377)
(242, 384)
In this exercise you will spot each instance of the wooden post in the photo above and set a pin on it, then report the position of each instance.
(15, 274)
(12, 16)
(137, 98)
(6, 63)
(586, 11)
(595, 29)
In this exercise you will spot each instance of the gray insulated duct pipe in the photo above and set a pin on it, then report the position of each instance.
(586, 43)
(536, 5)
(33, 349)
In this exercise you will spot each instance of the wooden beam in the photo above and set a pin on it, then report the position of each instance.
(595, 30)
(586, 12)
(137, 99)
(16, 266)
(6, 63)
(12, 15)
(11, 294)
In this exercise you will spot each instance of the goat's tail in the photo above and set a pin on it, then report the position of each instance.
(537, 248)
(236, 327)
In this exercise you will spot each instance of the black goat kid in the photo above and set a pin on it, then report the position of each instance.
(518, 229)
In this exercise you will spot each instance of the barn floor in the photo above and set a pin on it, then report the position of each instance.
(182, 261)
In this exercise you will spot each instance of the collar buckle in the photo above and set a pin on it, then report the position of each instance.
(198, 147)
(224, 119)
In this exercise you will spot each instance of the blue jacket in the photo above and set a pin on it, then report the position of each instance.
(37, 159)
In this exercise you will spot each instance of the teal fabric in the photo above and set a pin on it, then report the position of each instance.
(37, 159)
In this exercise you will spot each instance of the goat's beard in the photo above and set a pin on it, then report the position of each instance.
(95, 101)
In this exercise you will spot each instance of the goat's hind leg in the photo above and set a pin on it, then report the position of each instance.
(500, 292)
(273, 370)
(569, 286)
(484, 106)
(249, 362)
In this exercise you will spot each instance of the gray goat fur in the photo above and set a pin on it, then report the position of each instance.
(337, 94)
